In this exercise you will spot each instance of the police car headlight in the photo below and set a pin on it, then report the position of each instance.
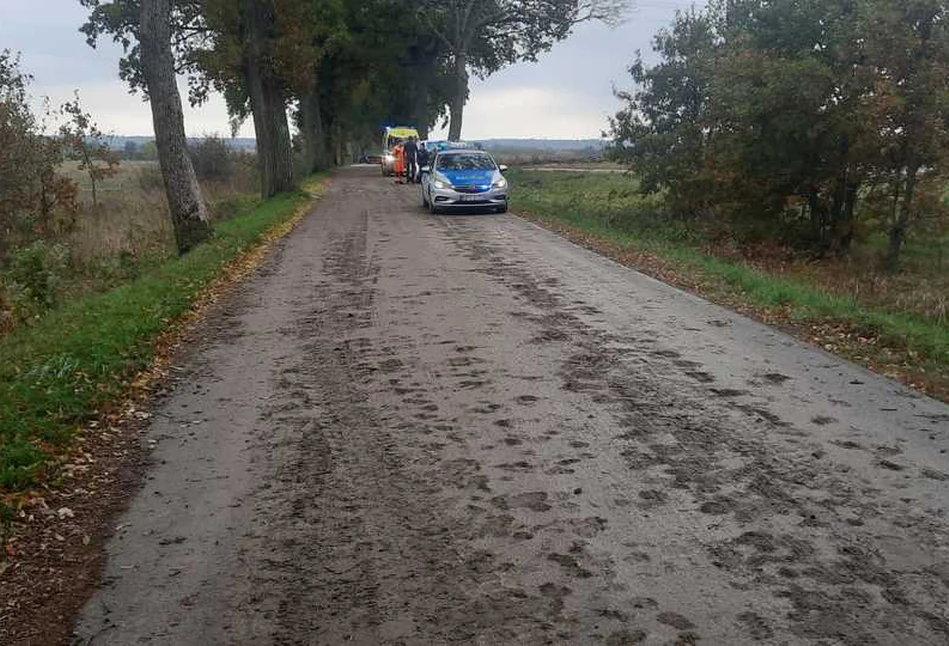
(501, 183)
(439, 184)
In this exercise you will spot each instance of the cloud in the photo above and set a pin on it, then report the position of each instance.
(56, 54)
(567, 94)
(121, 113)
(531, 112)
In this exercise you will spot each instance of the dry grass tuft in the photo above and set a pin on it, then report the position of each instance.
(129, 228)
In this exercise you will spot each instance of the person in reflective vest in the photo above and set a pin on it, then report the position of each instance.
(399, 167)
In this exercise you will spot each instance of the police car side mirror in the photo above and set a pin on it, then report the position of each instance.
(426, 169)
(502, 168)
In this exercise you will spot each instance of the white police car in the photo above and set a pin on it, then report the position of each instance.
(457, 179)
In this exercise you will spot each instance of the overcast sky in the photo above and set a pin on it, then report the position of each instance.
(568, 94)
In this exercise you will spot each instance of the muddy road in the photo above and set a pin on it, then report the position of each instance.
(409, 429)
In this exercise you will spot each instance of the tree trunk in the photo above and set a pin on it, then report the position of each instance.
(840, 213)
(421, 106)
(901, 222)
(817, 215)
(314, 137)
(91, 170)
(844, 235)
(338, 143)
(424, 71)
(459, 97)
(274, 153)
(189, 214)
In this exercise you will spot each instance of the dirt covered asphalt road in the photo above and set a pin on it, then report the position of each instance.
(410, 429)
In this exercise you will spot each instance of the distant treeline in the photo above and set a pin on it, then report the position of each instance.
(141, 147)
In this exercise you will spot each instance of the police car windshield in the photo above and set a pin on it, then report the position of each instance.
(465, 161)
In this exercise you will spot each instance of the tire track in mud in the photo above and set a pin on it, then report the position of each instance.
(381, 559)
(798, 527)
(530, 528)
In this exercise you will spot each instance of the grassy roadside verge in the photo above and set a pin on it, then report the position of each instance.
(901, 345)
(62, 372)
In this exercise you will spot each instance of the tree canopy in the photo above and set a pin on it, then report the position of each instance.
(483, 36)
(795, 117)
(342, 68)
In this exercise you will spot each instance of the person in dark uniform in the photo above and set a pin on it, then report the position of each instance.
(410, 149)
(423, 158)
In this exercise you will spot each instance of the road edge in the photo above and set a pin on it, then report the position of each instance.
(837, 339)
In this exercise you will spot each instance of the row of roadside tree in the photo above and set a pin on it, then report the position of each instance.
(339, 68)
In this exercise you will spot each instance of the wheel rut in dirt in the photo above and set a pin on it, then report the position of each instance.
(729, 460)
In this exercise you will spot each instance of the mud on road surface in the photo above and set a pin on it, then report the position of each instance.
(410, 429)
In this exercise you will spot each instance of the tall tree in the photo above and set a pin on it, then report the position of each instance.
(267, 94)
(238, 57)
(423, 74)
(485, 35)
(789, 118)
(661, 132)
(226, 45)
(907, 47)
(120, 19)
(383, 68)
(310, 30)
(188, 211)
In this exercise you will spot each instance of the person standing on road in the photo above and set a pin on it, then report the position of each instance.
(423, 159)
(410, 150)
(398, 166)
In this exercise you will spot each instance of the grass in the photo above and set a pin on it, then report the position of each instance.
(126, 233)
(887, 320)
(131, 216)
(60, 373)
